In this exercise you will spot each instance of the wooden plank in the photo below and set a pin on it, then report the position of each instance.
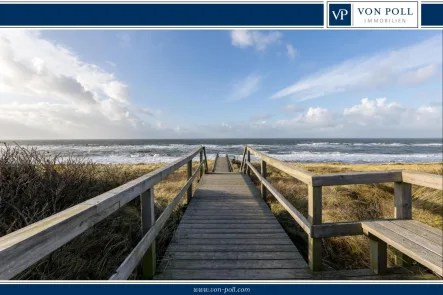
(180, 235)
(299, 218)
(224, 255)
(413, 250)
(221, 218)
(402, 200)
(227, 215)
(236, 274)
(228, 211)
(232, 264)
(357, 178)
(428, 228)
(224, 206)
(406, 233)
(229, 226)
(174, 247)
(339, 229)
(186, 231)
(418, 230)
(227, 221)
(260, 241)
(423, 179)
(24, 247)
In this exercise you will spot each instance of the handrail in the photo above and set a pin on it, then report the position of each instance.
(423, 179)
(215, 163)
(26, 246)
(296, 172)
(231, 167)
(313, 225)
(301, 220)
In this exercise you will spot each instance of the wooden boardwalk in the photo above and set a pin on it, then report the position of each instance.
(228, 232)
(222, 165)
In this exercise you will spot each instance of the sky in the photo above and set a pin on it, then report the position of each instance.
(105, 84)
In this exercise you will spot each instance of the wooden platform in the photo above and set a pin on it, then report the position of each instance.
(228, 232)
(417, 240)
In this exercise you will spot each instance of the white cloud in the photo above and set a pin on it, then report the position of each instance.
(377, 113)
(314, 118)
(259, 40)
(45, 87)
(417, 62)
(246, 87)
(291, 51)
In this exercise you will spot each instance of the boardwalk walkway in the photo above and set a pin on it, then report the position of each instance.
(222, 164)
(228, 232)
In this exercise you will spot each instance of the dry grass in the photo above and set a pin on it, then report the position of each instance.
(352, 203)
(34, 185)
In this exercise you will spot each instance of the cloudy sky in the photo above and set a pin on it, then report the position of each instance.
(219, 84)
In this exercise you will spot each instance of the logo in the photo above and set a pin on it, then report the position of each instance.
(340, 14)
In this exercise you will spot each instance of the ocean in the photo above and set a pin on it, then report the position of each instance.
(294, 150)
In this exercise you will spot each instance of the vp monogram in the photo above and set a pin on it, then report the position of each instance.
(340, 14)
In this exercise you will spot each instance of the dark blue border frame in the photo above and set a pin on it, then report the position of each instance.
(162, 15)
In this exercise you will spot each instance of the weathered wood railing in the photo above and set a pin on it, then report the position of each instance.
(21, 249)
(231, 167)
(313, 225)
(215, 162)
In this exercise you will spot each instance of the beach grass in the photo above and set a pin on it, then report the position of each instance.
(35, 185)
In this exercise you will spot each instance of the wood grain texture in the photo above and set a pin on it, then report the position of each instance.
(356, 178)
(407, 242)
(228, 232)
(423, 179)
(296, 172)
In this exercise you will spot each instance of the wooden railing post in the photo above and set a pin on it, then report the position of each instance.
(248, 170)
(378, 254)
(201, 168)
(315, 218)
(262, 187)
(402, 210)
(148, 220)
(242, 166)
(189, 193)
(206, 160)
